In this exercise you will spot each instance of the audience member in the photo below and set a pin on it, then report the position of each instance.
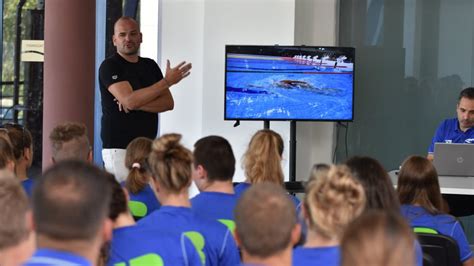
(422, 205)
(140, 185)
(378, 238)
(171, 166)
(22, 144)
(70, 206)
(378, 187)
(262, 161)
(69, 141)
(331, 203)
(17, 241)
(379, 191)
(143, 246)
(214, 167)
(266, 227)
(7, 158)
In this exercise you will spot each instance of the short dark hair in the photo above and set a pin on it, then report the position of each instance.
(467, 93)
(215, 154)
(118, 201)
(378, 187)
(265, 217)
(13, 208)
(70, 201)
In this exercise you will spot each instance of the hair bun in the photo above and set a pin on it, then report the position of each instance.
(166, 145)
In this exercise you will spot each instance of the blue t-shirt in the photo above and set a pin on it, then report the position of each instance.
(213, 240)
(216, 206)
(443, 223)
(327, 256)
(449, 132)
(50, 257)
(147, 246)
(28, 186)
(145, 200)
(242, 187)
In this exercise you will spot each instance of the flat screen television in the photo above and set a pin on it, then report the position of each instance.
(308, 83)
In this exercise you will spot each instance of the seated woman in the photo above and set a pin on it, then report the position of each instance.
(420, 195)
(262, 161)
(142, 246)
(139, 183)
(378, 238)
(332, 201)
(379, 191)
(171, 167)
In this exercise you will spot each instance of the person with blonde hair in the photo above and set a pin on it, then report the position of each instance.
(262, 161)
(150, 245)
(171, 167)
(332, 201)
(378, 238)
(422, 204)
(17, 238)
(139, 184)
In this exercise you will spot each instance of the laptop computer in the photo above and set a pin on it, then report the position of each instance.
(454, 159)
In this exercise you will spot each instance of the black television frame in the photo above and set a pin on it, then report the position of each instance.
(282, 48)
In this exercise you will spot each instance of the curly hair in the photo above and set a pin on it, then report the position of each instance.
(332, 201)
(262, 160)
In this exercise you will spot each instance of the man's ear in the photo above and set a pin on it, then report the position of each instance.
(295, 234)
(237, 238)
(27, 154)
(127, 195)
(107, 228)
(11, 166)
(29, 221)
(90, 156)
(53, 161)
(202, 173)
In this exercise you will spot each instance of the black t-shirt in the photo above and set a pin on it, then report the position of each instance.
(120, 128)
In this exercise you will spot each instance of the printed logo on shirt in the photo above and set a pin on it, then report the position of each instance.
(114, 77)
(448, 141)
(469, 141)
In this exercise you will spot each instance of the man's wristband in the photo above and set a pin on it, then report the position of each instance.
(167, 83)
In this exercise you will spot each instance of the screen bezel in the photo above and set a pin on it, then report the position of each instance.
(288, 47)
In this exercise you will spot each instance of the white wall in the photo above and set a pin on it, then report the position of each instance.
(316, 24)
(197, 31)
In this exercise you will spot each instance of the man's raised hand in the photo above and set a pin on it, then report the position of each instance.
(177, 73)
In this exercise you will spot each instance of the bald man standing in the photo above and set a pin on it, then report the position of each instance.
(133, 92)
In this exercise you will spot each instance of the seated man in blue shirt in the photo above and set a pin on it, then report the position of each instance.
(266, 227)
(70, 206)
(214, 167)
(460, 129)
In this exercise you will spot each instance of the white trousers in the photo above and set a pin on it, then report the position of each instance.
(114, 163)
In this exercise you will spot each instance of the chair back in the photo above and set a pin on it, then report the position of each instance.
(440, 250)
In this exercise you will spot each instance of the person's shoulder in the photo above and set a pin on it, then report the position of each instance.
(148, 61)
